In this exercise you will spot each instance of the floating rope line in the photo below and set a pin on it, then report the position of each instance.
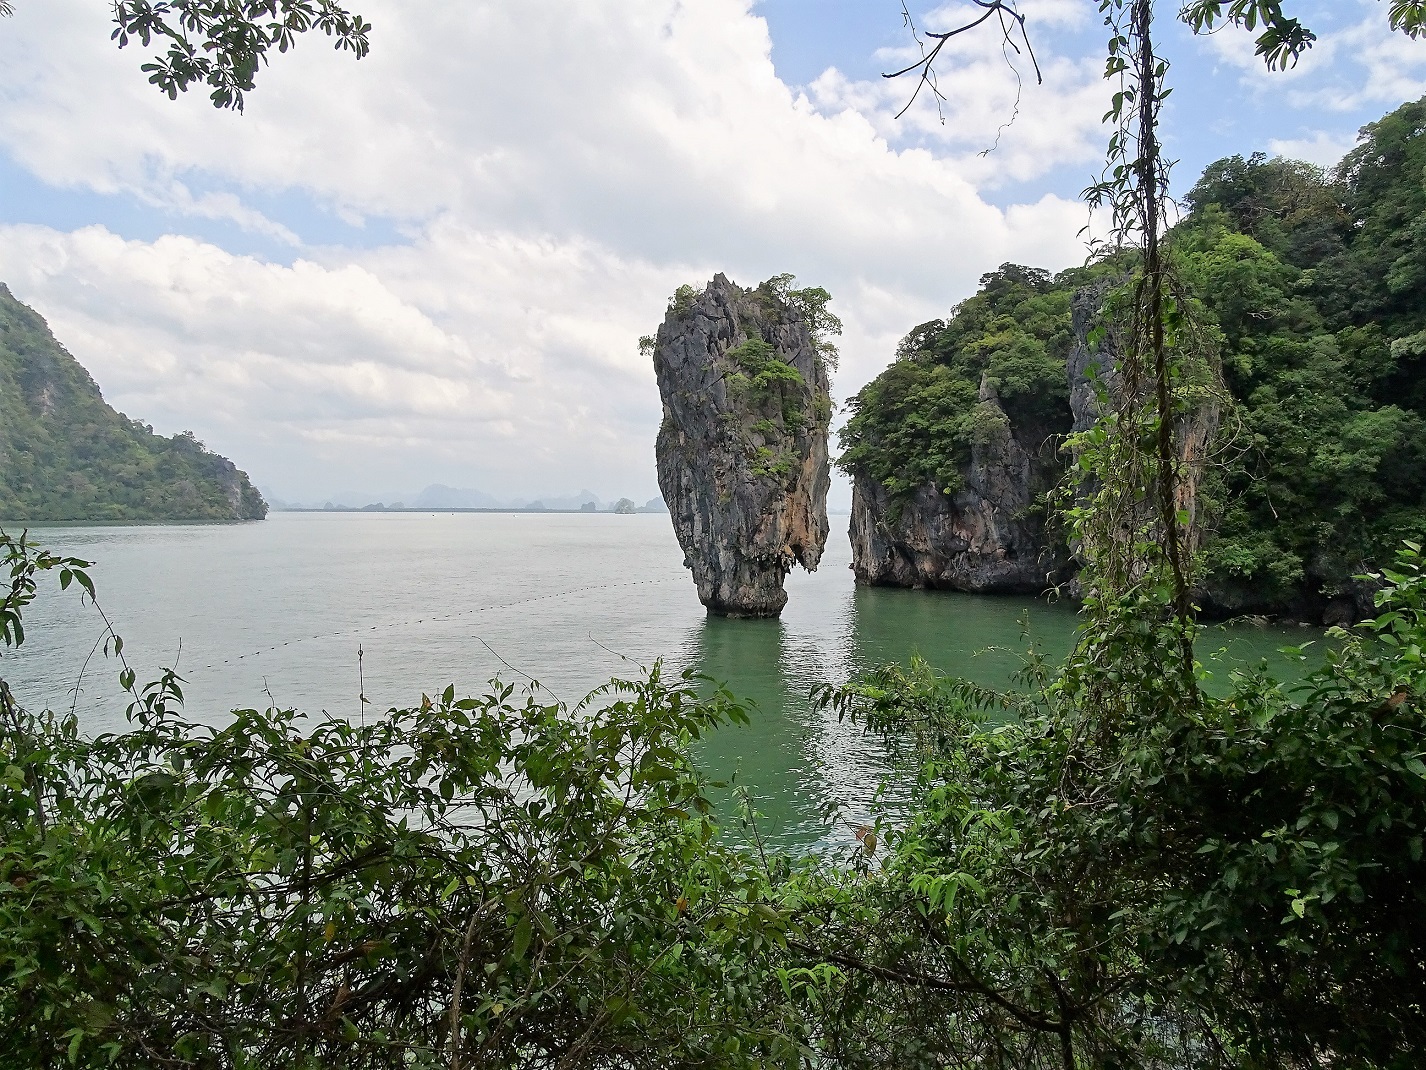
(365, 630)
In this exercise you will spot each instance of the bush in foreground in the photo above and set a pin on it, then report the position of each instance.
(1109, 876)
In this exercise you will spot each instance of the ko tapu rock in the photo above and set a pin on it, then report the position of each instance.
(742, 451)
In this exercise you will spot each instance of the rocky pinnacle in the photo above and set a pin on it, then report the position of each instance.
(742, 452)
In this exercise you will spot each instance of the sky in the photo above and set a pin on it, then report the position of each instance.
(433, 265)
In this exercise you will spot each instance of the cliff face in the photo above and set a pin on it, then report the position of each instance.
(986, 536)
(66, 455)
(742, 451)
(989, 535)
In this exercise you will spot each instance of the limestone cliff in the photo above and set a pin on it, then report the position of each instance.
(742, 451)
(988, 535)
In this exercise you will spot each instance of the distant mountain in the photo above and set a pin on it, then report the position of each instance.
(66, 455)
(353, 499)
(566, 501)
(439, 496)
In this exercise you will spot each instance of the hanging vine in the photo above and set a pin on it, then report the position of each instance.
(1131, 506)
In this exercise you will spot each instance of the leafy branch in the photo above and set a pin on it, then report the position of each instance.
(223, 43)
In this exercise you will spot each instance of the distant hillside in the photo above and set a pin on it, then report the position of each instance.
(66, 455)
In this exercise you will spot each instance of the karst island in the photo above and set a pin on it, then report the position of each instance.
(742, 450)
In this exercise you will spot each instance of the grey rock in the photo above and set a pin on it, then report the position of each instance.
(1090, 367)
(990, 535)
(987, 536)
(743, 467)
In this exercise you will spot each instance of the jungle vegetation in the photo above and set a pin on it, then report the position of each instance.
(1107, 867)
(66, 455)
(1312, 285)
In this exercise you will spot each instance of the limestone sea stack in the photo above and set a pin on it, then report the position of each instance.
(742, 451)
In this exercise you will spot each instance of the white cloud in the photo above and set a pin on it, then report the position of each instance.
(1321, 148)
(994, 121)
(560, 168)
(1356, 62)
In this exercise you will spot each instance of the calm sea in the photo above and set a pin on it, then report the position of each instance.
(306, 609)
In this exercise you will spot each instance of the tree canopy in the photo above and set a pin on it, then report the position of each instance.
(67, 455)
(1311, 285)
(1283, 38)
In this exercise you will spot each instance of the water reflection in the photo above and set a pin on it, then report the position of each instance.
(767, 755)
(795, 761)
(982, 638)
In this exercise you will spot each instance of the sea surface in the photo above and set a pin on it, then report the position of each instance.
(310, 610)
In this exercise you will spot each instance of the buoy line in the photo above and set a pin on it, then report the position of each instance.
(361, 631)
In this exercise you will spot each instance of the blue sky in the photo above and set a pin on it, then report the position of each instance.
(433, 265)
(1224, 103)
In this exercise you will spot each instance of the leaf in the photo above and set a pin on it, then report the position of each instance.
(523, 934)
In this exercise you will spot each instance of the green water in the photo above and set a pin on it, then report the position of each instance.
(796, 762)
(279, 612)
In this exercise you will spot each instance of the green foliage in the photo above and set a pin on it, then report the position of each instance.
(768, 463)
(681, 302)
(916, 422)
(66, 455)
(761, 366)
(769, 382)
(809, 304)
(1296, 268)
(479, 882)
(1233, 882)
(1284, 38)
(222, 43)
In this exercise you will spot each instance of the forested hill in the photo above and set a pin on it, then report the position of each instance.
(66, 455)
(1312, 284)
